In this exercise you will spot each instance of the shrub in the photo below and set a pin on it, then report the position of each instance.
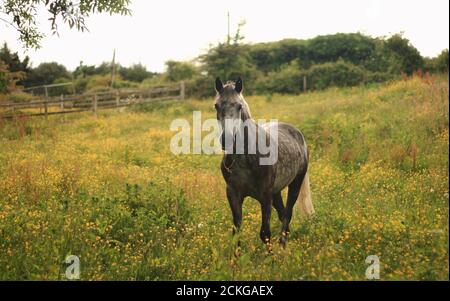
(439, 63)
(177, 71)
(62, 89)
(135, 73)
(45, 74)
(20, 97)
(378, 77)
(200, 86)
(340, 74)
(287, 80)
(98, 83)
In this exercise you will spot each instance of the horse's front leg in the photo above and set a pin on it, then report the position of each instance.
(266, 210)
(235, 199)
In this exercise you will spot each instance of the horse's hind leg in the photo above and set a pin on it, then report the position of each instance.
(278, 205)
(293, 191)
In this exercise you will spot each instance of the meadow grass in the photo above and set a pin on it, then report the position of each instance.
(109, 190)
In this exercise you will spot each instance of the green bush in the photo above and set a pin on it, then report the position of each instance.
(98, 83)
(135, 73)
(378, 77)
(288, 80)
(177, 71)
(439, 63)
(20, 97)
(200, 86)
(155, 81)
(62, 89)
(339, 74)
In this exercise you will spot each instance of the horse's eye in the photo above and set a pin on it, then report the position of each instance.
(239, 106)
(216, 106)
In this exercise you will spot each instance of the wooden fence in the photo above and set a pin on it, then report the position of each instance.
(65, 104)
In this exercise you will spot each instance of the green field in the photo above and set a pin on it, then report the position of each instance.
(109, 190)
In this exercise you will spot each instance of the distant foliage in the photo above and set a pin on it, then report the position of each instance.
(229, 62)
(343, 59)
(8, 79)
(289, 79)
(135, 73)
(329, 60)
(339, 74)
(355, 48)
(404, 57)
(177, 71)
(46, 73)
(439, 63)
(13, 61)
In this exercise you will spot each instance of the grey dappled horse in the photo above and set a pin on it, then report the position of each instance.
(246, 176)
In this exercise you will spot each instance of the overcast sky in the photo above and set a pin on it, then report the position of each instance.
(181, 30)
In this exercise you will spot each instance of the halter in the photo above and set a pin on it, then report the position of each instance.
(228, 168)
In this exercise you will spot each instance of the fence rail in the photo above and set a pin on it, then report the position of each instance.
(74, 103)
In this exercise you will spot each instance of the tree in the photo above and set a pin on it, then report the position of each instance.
(355, 48)
(403, 55)
(442, 61)
(46, 73)
(177, 71)
(231, 60)
(8, 79)
(274, 55)
(16, 67)
(13, 60)
(22, 15)
(286, 80)
(84, 70)
(135, 73)
(339, 74)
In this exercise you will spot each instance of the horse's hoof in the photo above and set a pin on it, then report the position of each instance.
(269, 248)
(283, 239)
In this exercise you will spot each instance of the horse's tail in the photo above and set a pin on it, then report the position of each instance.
(304, 198)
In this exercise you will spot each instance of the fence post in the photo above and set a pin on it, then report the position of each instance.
(62, 102)
(46, 107)
(304, 83)
(117, 98)
(182, 90)
(95, 104)
(45, 101)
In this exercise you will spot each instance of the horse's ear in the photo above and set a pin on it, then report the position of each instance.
(238, 85)
(219, 85)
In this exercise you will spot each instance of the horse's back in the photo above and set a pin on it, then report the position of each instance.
(292, 154)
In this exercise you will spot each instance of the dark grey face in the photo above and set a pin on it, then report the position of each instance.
(229, 105)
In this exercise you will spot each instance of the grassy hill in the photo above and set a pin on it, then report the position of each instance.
(109, 190)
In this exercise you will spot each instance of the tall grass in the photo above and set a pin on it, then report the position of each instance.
(109, 190)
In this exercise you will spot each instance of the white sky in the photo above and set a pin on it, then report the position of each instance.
(181, 30)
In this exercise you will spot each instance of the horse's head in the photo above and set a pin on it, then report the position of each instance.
(231, 108)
